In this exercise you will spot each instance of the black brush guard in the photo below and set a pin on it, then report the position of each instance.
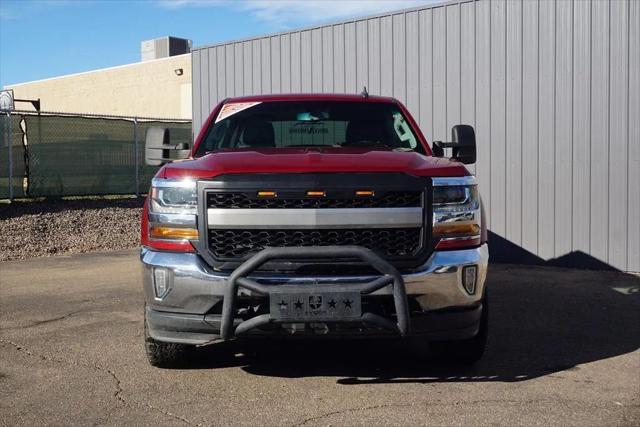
(389, 275)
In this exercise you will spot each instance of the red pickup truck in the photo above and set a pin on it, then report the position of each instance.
(313, 216)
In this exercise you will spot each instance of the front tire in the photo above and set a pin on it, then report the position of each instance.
(164, 354)
(468, 351)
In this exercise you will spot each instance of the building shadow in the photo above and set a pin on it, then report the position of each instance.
(502, 251)
(543, 321)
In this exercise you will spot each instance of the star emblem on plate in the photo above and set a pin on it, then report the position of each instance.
(332, 303)
(347, 303)
(283, 305)
(298, 304)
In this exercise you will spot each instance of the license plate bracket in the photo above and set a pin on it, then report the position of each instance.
(311, 306)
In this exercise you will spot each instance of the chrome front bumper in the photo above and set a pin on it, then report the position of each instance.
(193, 288)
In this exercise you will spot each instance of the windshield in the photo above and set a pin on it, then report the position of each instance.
(309, 124)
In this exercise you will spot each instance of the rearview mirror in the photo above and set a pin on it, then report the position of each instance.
(463, 144)
(158, 149)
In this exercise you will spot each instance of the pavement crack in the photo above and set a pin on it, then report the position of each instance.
(349, 410)
(117, 394)
(555, 400)
(53, 319)
(45, 321)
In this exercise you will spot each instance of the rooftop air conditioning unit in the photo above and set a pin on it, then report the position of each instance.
(163, 48)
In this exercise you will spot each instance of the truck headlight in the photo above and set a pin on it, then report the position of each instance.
(173, 196)
(172, 209)
(456, 212)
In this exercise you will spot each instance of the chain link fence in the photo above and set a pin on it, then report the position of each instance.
(12, 157)
(54, 154)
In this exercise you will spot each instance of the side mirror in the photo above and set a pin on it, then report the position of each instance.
(463, 145)
(464, 140)
(158, 149)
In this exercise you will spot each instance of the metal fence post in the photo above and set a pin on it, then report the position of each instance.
(136, 154)
(10, 144)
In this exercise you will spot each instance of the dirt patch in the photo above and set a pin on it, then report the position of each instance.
(45, 228)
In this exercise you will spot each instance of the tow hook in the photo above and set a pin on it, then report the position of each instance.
(319, 328)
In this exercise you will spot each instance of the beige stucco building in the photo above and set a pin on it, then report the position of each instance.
(154, 88)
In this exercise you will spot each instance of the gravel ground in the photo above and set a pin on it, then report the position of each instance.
(57, 227)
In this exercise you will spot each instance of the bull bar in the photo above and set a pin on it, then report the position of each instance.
(389, 275)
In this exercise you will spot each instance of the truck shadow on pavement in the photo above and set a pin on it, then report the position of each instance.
(542, 321)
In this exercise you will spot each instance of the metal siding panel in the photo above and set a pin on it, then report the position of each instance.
(276, 74)
(247, 65)
(305, 61)
(208, 82)
(338, 58)
(238, 69)
(440, 132)
(563, 128)
(399, 58)
(546, 131)
(265, 47)
(296, 63)
(374, 56)
(483, 103)
(413, 64)
(498, 117)
(316, 60)
(221, 77)
(350, 58)
(514, 187)
(362, 57)
(599, 130)
(257, 67)
(618, 232)
(285, 63)
(230, 70)
(196, 97)
(633, 139)
(327, 59)
(581, 119)
(426, 73)
(386, 56)
(453, 65)
(530, 126)
(467, 67)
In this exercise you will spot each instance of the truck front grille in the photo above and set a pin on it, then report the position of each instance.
(395, 221)
(234, 200)
(392, 242)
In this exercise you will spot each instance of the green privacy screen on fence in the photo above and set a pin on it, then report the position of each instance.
(79, 156)
(69, 155)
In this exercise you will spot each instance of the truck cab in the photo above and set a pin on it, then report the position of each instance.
(309, 216)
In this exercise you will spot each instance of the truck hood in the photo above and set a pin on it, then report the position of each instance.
(312, 160)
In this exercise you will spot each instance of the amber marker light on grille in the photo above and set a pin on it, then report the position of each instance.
(158, 232)
(364, 193)
(316, 193)
(267, 194)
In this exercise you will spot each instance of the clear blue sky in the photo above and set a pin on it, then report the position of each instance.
(48, 38)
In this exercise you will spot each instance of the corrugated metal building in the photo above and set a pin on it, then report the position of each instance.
(552, 88)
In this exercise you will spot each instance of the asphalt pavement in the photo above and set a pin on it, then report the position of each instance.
(563, 350)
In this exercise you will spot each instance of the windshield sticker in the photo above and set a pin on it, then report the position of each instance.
(308, 129)
(233, 108)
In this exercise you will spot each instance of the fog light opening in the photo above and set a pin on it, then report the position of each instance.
(160, 282)
(469, 275)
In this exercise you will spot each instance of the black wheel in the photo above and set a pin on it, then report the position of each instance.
(164, 354)
(467, 351)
